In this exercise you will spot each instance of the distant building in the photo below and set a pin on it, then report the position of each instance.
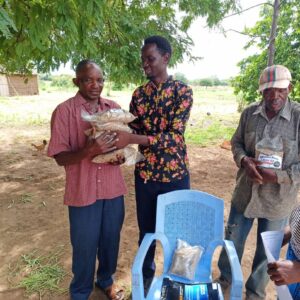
(18, 85)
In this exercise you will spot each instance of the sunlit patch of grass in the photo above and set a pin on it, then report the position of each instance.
(209, 131)
(23, 119)
(34, 110)
(39, 274)
(215, 94)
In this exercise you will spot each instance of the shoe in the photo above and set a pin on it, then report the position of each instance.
(112, 292)
(224, 283)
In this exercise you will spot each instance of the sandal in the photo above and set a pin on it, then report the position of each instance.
(112, 293)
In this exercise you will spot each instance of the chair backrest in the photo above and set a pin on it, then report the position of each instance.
(193, 216)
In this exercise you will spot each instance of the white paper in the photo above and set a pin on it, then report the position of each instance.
(272, 241)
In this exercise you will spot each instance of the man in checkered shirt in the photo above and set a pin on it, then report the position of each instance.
(265, 194)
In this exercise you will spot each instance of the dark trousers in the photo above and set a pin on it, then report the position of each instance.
(95, 232)
(146, 201)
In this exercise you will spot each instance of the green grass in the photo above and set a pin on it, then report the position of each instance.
(39, 274)
(20, 119)
(210, 130)
(218, 94)
(26, 198)
(219, 102)
(27, 110)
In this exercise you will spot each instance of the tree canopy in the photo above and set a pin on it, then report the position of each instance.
(287, 49)
(43, 34)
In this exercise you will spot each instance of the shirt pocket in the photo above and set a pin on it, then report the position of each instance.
(290, 152)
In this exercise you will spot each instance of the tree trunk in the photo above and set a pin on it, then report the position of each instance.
(271, 51)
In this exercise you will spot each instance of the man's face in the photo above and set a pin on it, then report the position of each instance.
(275, 98)
(153, 62)
(90, 82)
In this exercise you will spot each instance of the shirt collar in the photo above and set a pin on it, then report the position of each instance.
(286, 111)
(81, 101)
(150, 82)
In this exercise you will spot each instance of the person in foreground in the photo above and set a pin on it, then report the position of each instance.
(265, 194)
(93, 192)
(288, 271)
(162, 107)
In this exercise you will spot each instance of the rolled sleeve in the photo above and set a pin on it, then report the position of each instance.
(238, 160)
(60, 138)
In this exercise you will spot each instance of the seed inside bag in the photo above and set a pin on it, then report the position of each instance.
(269, 151)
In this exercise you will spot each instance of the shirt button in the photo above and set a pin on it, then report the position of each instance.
(99, 180)
(99, 168)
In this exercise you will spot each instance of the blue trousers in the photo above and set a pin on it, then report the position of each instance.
(95, 232)
(146, 201)
(294, 287)
(238, 228)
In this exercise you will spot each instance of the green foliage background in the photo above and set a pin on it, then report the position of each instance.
(287, 47)
(43, 34)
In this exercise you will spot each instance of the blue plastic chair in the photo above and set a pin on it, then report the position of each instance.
(197, 218)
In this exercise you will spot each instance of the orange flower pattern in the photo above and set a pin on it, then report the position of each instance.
(162, 113)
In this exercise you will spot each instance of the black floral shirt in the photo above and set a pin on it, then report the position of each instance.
(162, 113)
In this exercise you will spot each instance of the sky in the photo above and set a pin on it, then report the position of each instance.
(220, 53)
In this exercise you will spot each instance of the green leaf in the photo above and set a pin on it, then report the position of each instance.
(42, 34)
(287, 50)
(6, 24)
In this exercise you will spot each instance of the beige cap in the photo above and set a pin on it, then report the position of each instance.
(276, 76)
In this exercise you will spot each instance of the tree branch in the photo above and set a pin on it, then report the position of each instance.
(244, 33)
(240, 12)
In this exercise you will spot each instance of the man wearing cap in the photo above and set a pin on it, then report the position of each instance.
(266, 194)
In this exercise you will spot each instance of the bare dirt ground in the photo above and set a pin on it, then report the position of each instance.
(42, 223)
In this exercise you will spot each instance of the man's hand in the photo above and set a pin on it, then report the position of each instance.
(257, 174)
(251, 167)
(104, 143)
(284, 272)
(268, 175)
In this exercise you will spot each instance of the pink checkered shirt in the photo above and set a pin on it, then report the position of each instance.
(86, 181)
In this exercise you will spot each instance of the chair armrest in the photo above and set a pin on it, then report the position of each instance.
(137, 274)
(236, 271)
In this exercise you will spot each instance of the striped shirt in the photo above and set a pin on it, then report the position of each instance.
(295, 230)
(273, 201)
(85, 181)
